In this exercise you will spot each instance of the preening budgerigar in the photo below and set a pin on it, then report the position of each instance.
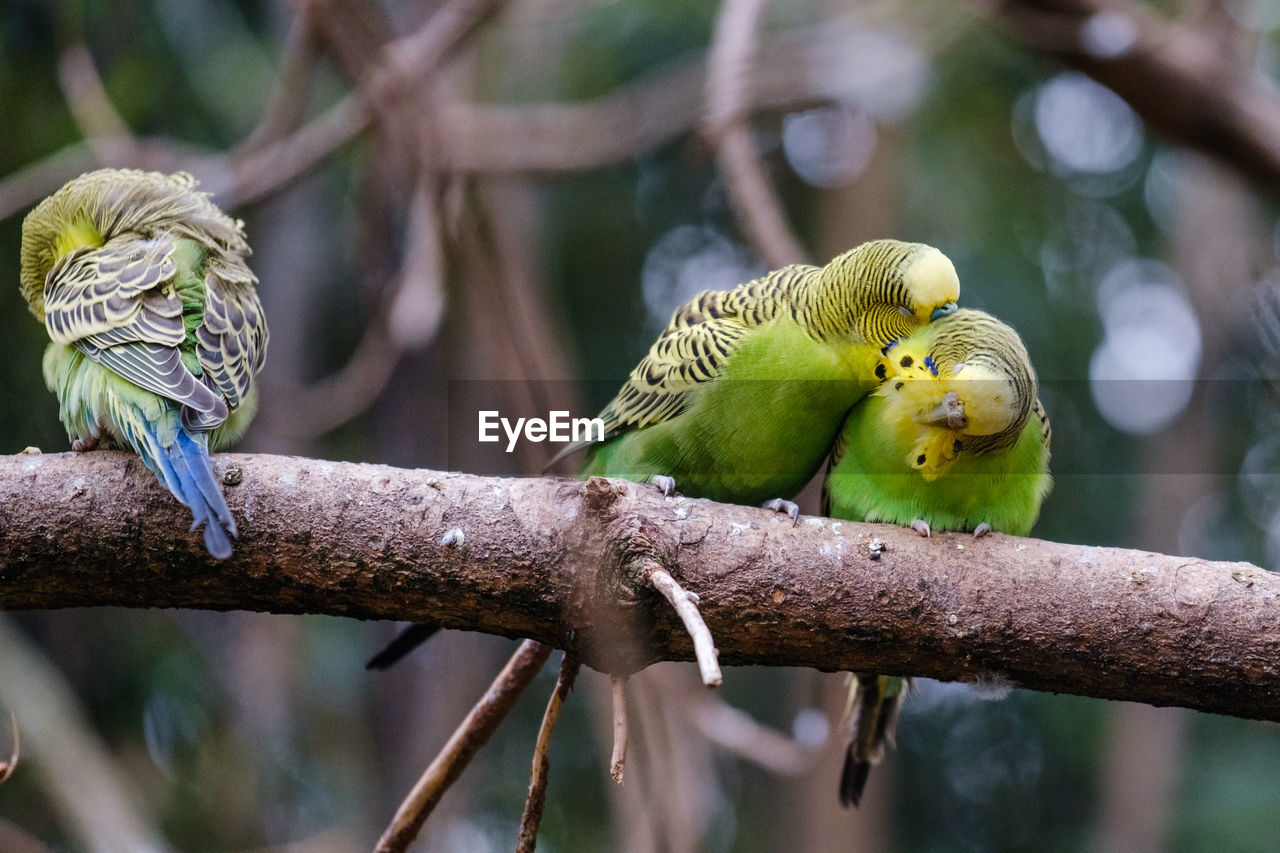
(155, 325)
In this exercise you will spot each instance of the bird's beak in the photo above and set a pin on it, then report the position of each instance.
(948, 414)
(943, 310)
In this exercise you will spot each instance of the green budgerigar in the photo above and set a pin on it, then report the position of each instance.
(954, 438)
(157, 332)
(742, 394)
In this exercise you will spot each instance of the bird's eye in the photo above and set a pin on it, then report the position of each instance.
(905, 311)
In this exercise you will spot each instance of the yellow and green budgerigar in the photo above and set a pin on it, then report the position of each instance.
(742, 394)
(954, 438)
(156, 328)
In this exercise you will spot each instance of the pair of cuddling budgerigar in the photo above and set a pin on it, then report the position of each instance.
(928, 414)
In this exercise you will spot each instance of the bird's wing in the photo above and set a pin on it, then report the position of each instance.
(693, 349)
(112, 303)
(231, 343)
(116, 291)
(1046, 431)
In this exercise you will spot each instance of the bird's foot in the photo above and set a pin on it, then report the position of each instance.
(922, 527)
(981, 530)
(85, 444)
(665, 483)
(791, 508)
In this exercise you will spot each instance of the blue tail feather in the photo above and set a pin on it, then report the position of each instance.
(197, 455)
(180, 460)
(185, 468)
(158, 461)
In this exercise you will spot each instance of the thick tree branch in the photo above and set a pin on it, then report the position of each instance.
(553, 560)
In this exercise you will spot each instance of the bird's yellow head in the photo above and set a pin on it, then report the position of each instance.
(884, 290)
(931, 285)
(962, 384)
(91, 209)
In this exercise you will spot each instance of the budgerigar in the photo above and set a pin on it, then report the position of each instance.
(955, 438)
(157, 332)
(742, 394)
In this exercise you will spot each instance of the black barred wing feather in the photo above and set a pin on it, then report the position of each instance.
(159, 369)
(114, 292)
(114, 304)
(1046, 431)
(231, 343)
(678, 362)
(694, 348)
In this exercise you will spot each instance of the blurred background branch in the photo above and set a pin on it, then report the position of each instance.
(83, 782)
(1182, 78)
(463, 204)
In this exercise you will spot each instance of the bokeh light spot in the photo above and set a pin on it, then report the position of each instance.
(1085, 127)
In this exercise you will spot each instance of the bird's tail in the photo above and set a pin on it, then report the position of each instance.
(186, 469)
(874, 703)
(406, 641)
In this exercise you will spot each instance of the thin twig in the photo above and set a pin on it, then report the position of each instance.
(618, 760)
(704, 647)
(289, 89)
(418, 299)
(1177, 77)
(734, 730)
(675, 761)
(408, 318)
(413, 57)
(505, 308)
(537, 797)
(729, 66)
(87, 97)
(333, 400)
(475, 137)
(267, 170)
(403, 65)
(462, 745)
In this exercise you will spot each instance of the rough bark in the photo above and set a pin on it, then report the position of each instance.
(556, 560)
